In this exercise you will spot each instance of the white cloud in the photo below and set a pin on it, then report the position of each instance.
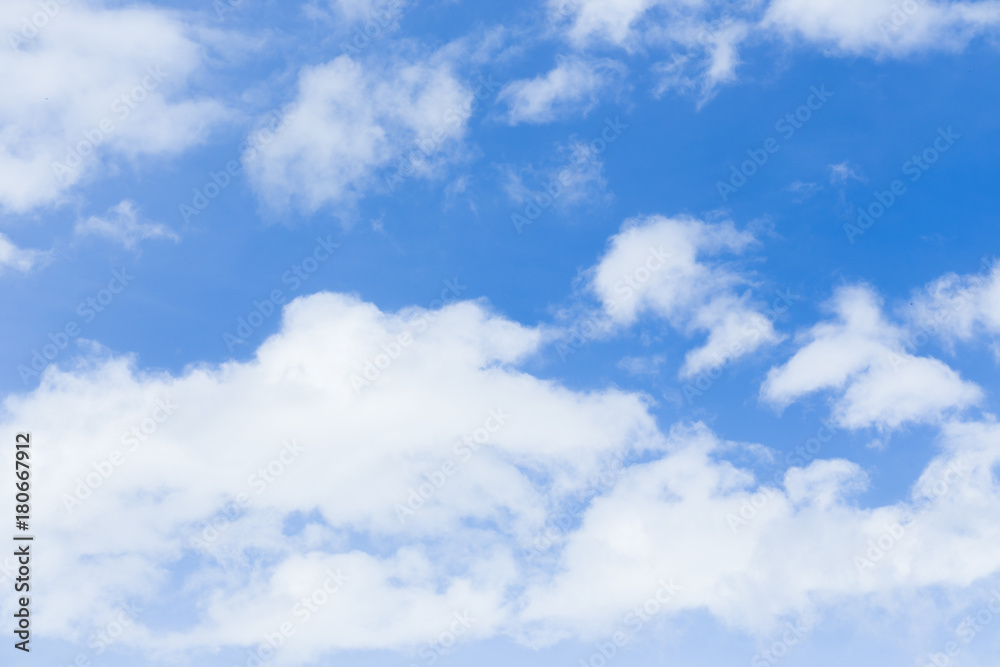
(574, 176)
(90, 85)
(862, 358)
(703, 54)
(122, 225)
(959, 307)
(213, 433)
(701, 39)
(670, 267)
(19, 259)
(573, 87)
(354, 469)
(882, 27)
(799, 549)
(701, 44)
(841, 172)
(351, 119)
(600, 19)
(642, 365)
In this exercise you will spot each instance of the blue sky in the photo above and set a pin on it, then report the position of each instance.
(518, 221)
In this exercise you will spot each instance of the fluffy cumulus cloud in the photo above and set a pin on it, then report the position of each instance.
(572, 87)
(399, 472)
(771, 551)
(122, 225)
(88, 84)
(862, 358)
(334, 419)
(959, 308)
(355, 125)
(674, 268)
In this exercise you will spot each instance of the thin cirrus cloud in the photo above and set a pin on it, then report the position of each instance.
(673, 268)
(90, 85)
(123, 225)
